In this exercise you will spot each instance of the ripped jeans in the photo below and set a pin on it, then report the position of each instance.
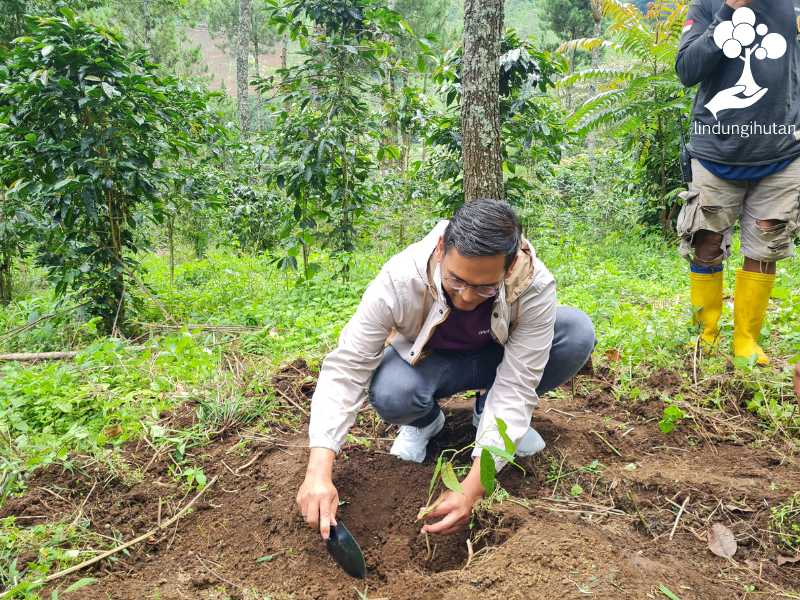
(715, 204)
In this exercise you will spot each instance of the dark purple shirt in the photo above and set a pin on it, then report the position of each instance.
(464, 330)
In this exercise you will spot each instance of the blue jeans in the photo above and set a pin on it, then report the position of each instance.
(406, 395)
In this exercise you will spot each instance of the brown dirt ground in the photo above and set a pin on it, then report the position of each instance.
(612, 542)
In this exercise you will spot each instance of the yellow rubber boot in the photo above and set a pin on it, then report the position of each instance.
(707, 304)
(749, 307)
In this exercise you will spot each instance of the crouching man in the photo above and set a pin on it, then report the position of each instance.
(467, 307)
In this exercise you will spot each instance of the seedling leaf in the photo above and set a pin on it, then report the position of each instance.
(501, 453)
(449, 478)
(266, 558)
(503, 429)
(667, 592)
(81, 583)
(488, 471)
(436, 470)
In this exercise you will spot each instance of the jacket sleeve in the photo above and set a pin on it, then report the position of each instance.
(513, 395)
(698, 54)
(347, 371)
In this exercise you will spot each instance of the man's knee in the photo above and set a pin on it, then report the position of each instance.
(770, 225)
(708, 248)
(576, 330)
(399, 401)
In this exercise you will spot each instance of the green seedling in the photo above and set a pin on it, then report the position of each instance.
(785, 523)
(445, 470)
(671, 417)
(195, 477)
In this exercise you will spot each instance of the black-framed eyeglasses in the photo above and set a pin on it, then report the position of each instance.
(484, 291)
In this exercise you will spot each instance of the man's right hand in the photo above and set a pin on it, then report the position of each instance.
(734, 4)
(317, 497)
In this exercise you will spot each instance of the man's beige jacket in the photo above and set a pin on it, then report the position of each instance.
(403, 305)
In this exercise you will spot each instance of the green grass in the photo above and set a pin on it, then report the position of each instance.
(104, 397)
(633, 285)
(50, 547)
(785, 523)
(293, 317)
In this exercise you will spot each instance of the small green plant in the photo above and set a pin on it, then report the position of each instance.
(195, 477)
(445, 470)
(785, 523)
(671, 417)
(556, 473)
(667, 592)
(48, 547)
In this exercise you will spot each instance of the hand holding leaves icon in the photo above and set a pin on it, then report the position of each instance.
(729, 98)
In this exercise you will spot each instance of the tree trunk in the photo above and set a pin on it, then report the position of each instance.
(256, 43)
(284, 51)
(114, 309)
(171, 241)
(597, 16)
(306, 252)
(5, 279)
(662, 175)
(242, 64)
(254, 29)
(391, 132)
(480, 100)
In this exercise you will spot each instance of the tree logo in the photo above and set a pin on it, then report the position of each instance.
(735, 37)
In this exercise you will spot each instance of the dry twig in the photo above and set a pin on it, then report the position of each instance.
(125, 546)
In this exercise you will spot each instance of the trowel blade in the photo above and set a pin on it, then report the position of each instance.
(345, 550)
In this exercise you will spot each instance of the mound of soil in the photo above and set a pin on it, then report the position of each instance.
(614, 536)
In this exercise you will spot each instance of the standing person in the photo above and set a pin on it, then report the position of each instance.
(744, 140)
(467, 307)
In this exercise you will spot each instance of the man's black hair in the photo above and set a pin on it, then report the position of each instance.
(484, 228)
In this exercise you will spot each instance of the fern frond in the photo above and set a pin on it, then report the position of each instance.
(608, 75)
(587, 44)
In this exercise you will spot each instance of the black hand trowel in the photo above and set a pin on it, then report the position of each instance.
(345, 550)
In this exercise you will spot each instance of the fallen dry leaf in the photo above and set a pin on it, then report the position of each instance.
(721, 541)
(112, 431)
(613, 355)
(782, 560)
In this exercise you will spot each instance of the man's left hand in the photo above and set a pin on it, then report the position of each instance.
(456, 510)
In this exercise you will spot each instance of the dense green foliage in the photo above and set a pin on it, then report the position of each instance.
(87, 140)
(570, 19)
(638, 97)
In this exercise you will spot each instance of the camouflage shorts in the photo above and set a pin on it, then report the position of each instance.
(715, 204)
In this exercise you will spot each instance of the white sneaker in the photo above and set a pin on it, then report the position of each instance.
(530, 444)
(412, 442)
